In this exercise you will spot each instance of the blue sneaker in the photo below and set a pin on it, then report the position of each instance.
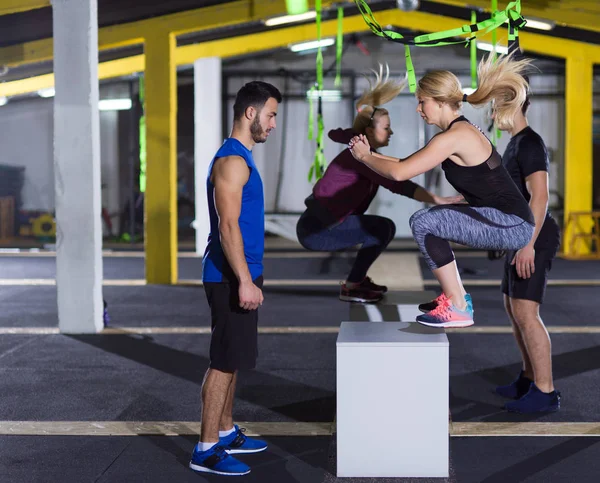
(238, 442)
(535, 401)
(516, 389)
(217, 461)
(446, 315)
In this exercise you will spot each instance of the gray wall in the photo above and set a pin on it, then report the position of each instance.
(26, 137)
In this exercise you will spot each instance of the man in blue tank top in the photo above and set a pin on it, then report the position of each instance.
(232, 276)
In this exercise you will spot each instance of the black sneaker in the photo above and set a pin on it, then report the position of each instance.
(368, 284)
(535, 401)
(516, 389)
(359, 294)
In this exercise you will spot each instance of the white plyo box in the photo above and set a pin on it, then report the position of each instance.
(392, 400)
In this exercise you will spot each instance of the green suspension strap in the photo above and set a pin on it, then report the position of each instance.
(311, 114)
(339, 47)
(410, 70)
(318, 167)
(141, 94)
(295, 7)
(496, 133)
(513, 30)
(473, 48)
(446, 37)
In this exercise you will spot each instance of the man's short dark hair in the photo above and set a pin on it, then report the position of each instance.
(525, 106)
(255, 94)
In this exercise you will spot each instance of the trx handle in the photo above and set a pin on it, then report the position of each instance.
(512, 15)
(498, 18)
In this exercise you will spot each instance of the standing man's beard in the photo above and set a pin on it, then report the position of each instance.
(256, 130)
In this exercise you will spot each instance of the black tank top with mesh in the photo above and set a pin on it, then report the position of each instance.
(487, 184)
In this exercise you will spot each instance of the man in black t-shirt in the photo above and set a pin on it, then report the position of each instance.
(526, 271)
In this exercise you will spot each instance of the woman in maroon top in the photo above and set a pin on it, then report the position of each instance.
(335, 216)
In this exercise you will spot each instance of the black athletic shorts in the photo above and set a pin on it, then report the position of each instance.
(234, 344)
(532, 288)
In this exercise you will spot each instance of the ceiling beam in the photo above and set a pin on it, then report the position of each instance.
(106, 70)
(15, 6)
(133, 33)
(269, 40)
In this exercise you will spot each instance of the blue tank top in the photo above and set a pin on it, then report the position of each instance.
(215, 267)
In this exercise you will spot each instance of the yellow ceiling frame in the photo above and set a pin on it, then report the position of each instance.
(567, 13)
(187, 54)
(15, 6)
(133, 33)
(273, 39)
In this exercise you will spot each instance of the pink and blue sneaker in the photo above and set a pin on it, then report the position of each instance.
(446, 315)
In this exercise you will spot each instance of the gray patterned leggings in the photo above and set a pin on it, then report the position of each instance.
(477, 227)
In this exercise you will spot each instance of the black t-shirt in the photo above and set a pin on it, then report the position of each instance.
(487, 184)
(526, 154)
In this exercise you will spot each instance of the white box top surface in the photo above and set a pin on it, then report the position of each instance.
(390, 334)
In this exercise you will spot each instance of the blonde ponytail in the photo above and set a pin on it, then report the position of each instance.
(500, 80)
(382, 91)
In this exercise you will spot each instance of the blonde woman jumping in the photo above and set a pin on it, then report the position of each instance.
(497, 216)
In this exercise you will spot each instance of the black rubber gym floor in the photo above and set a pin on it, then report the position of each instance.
(157, 377)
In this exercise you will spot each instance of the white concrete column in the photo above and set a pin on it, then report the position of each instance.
(208, 135)
(77, 166)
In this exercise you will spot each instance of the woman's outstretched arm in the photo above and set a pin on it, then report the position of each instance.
(437, 150)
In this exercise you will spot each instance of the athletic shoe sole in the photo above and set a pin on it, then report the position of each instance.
(540, 411)
(346, 298)
(449, 325)
(204, 469)
(244, 451)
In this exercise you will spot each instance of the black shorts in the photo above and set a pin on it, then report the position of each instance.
(233, 344)
(532, 288)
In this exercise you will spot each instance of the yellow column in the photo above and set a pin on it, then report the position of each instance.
(161, 159)
(578, 142)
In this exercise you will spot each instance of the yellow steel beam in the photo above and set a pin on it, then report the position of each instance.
(582, 15)
(273, 39)
(224, 48)
(578, 143)
(241, 12)
(232, 13)
(14, 6)
(106, 70)
(43, 50)
(160, 202)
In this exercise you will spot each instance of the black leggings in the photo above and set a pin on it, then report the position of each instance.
(477, 227)
(372, 232)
